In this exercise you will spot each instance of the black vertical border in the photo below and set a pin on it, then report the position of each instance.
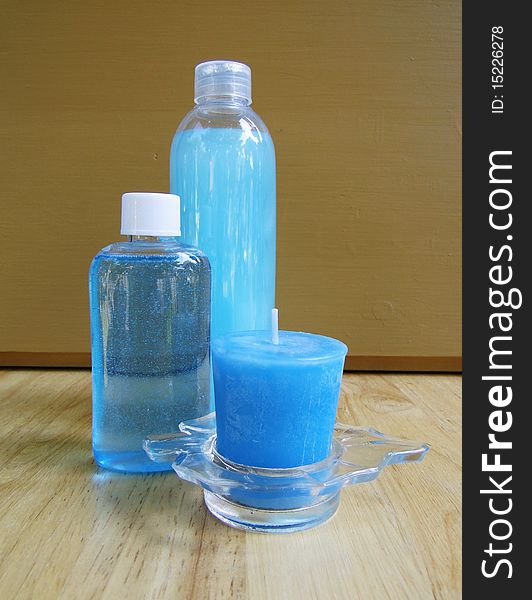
(484, 133)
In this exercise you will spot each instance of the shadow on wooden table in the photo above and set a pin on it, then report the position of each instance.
(156, 505)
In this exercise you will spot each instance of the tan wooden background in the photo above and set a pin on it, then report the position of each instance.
(362, 99)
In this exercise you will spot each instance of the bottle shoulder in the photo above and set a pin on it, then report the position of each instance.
(216, 116)
(168, 250)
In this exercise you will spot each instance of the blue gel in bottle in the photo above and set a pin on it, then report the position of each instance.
(150, 312)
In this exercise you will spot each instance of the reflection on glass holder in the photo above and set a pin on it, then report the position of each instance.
(278, 500)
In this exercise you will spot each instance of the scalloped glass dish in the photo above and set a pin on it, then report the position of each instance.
(278, 500)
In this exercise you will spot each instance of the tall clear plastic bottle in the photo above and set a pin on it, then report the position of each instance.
(222, 165)
(150, 309)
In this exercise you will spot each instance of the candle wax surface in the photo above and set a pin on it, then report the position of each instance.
(276, 404)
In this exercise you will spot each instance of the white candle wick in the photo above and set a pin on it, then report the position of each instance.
(275, 326)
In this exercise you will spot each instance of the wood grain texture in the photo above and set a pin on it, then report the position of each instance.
(71, 530)
(362, 100)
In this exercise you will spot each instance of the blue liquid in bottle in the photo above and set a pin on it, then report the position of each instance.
(150, 309)
(222, 164)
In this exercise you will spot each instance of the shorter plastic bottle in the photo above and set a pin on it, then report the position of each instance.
(150, 319)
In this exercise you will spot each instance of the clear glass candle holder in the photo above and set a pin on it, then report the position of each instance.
(278, 500)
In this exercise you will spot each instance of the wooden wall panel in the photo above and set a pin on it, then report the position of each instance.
(362, 100)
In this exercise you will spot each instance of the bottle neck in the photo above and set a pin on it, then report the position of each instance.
(148, 238)
(223, 100)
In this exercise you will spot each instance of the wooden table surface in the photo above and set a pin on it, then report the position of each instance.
(71, 530)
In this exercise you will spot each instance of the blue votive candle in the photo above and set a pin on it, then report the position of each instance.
(276, 396)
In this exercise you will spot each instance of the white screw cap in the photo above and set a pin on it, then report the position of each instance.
(150, 213)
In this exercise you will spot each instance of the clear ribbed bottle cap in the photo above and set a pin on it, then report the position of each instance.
(222, 78)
